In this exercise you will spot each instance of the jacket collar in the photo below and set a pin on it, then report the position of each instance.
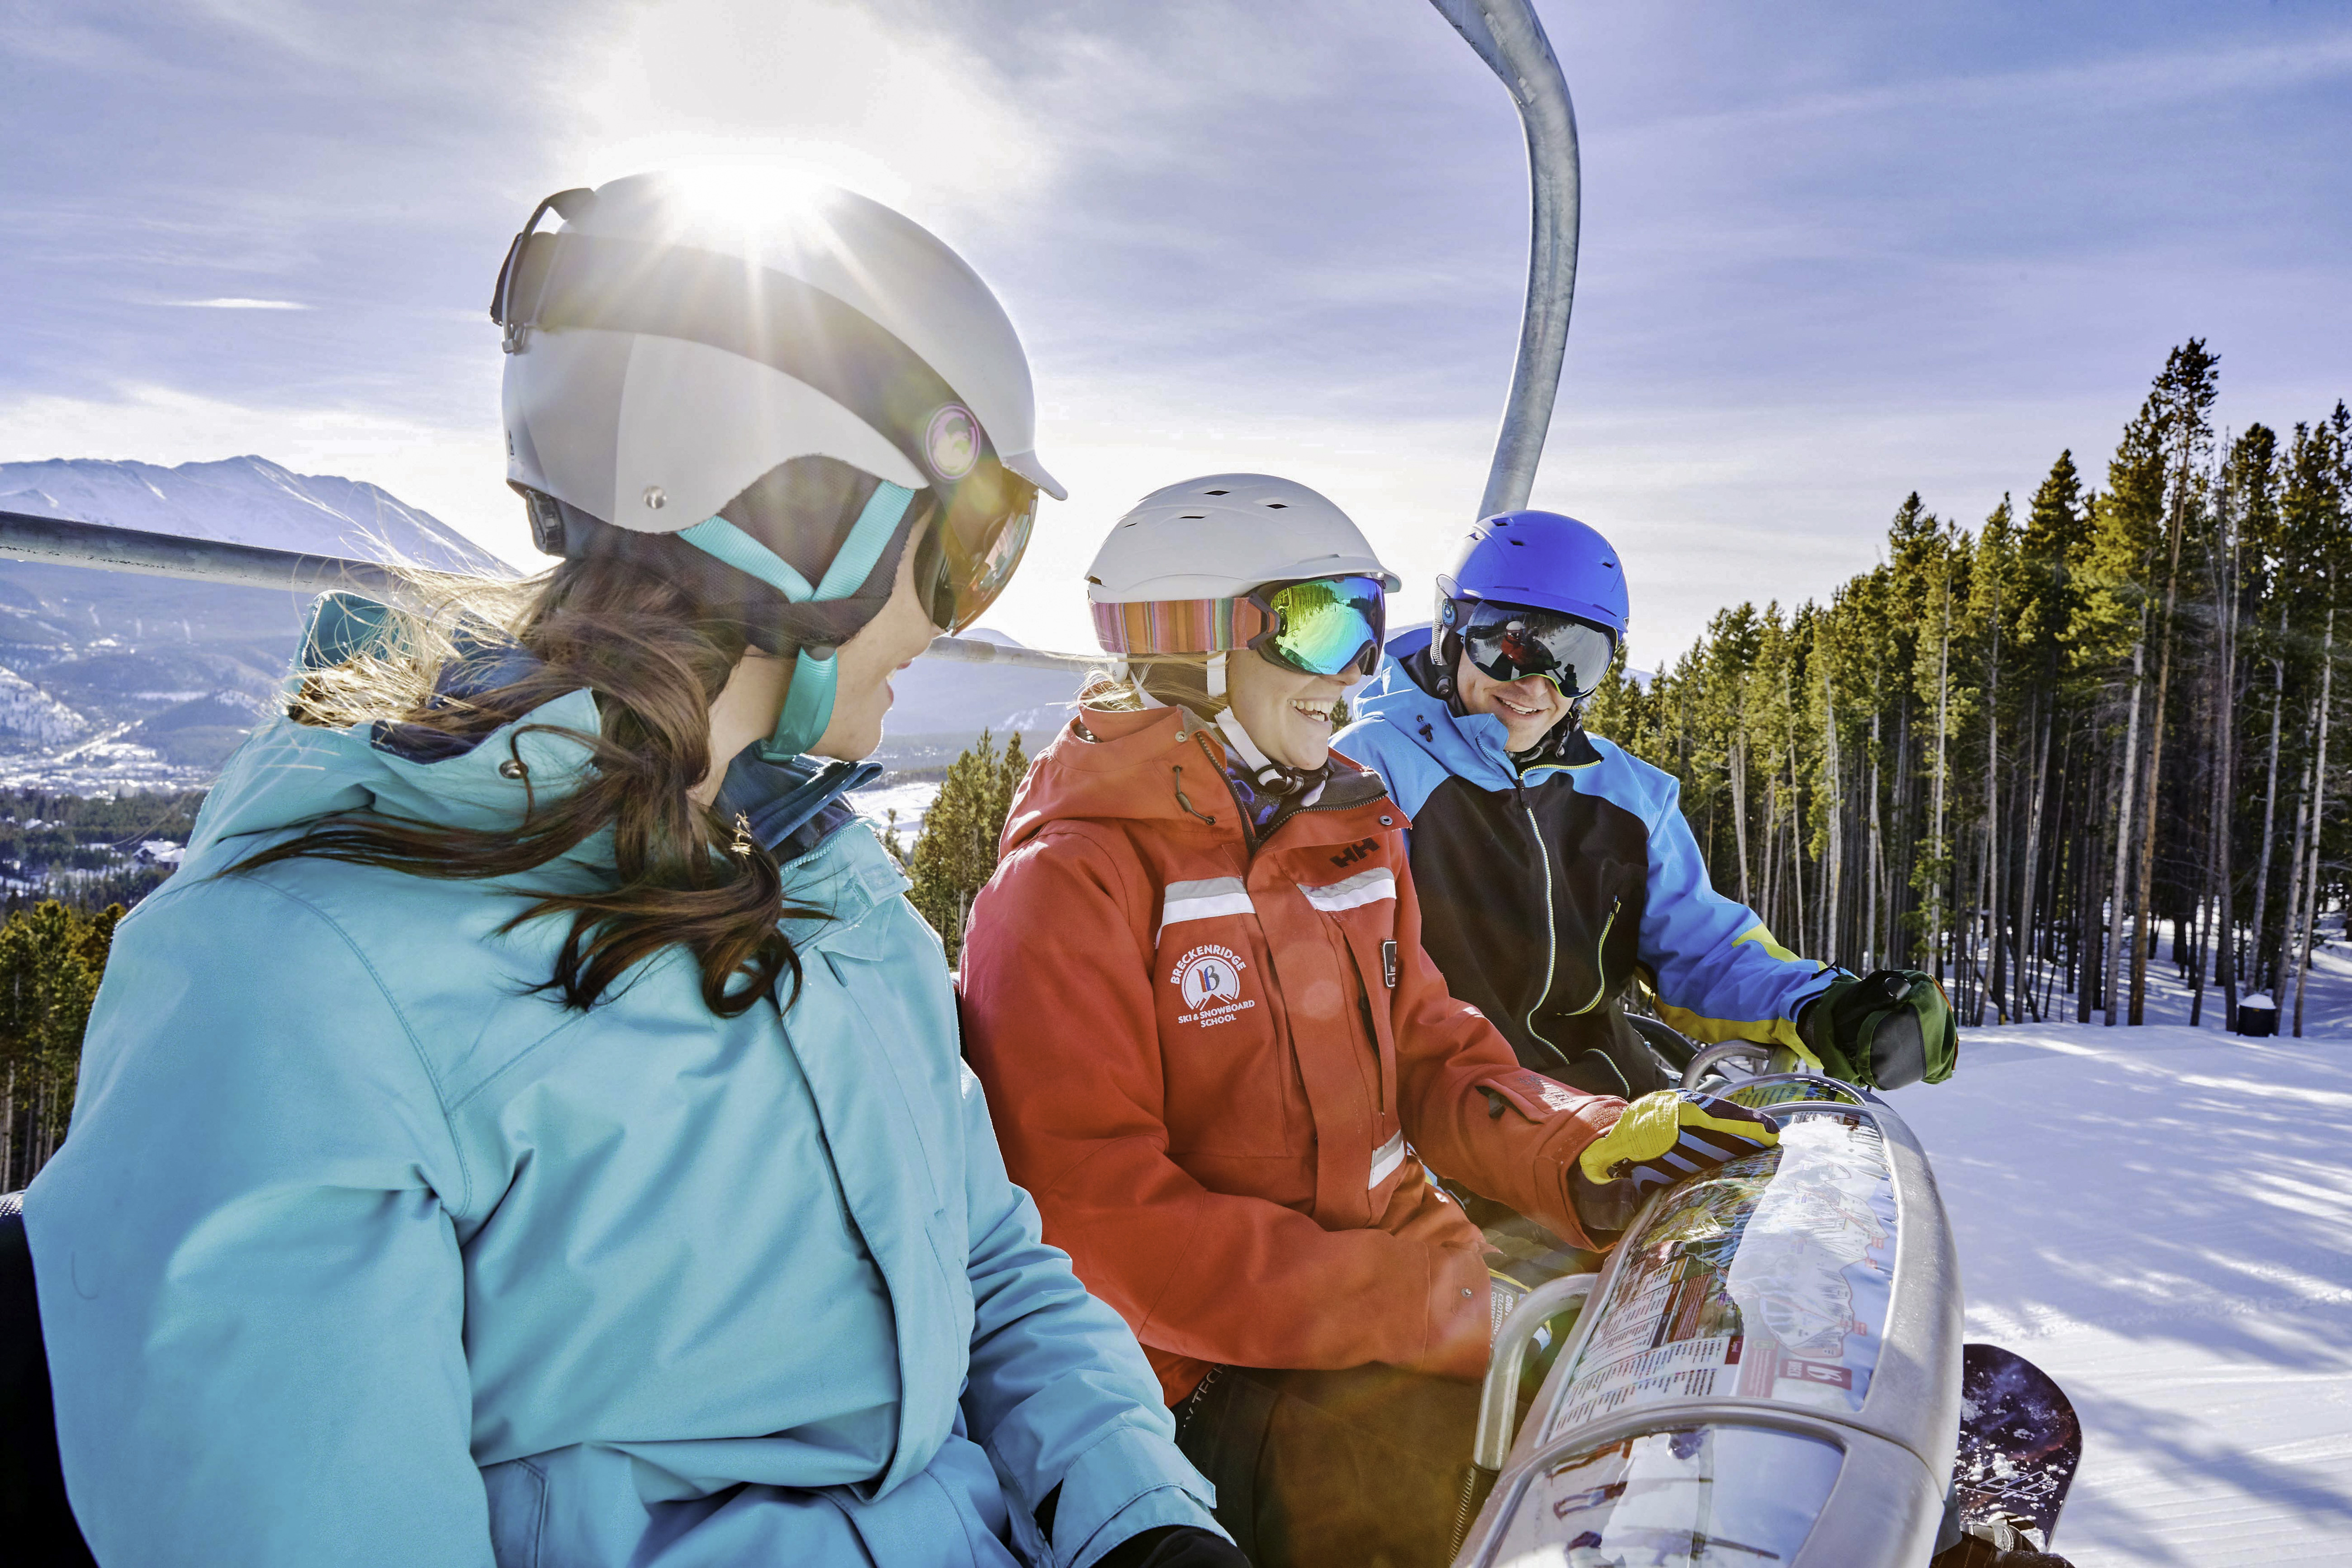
(790, 807)
(1160, 764)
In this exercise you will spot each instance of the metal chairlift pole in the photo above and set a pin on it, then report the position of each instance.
(1510, 38)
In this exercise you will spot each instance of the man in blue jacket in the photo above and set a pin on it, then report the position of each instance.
(1554, 867)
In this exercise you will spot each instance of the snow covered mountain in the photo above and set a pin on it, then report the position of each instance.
(242, 500)
(111, 681)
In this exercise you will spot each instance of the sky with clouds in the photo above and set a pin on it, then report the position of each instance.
(1831, 252)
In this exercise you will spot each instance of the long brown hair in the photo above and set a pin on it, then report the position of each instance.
(654, 660)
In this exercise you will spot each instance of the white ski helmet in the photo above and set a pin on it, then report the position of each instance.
(1220, 536)
(672, 345)
(1197, 568)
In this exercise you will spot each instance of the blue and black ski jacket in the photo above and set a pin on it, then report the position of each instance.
(1546, 888)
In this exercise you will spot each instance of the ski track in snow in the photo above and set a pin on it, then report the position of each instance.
(2161, 1218)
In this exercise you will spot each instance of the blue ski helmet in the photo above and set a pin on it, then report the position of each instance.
(1535, 558)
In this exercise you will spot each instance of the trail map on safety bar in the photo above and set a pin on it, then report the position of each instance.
(1770, 1279)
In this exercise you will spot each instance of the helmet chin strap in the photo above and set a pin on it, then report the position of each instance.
(1270, 776)
(808, 705)
(1275, 778)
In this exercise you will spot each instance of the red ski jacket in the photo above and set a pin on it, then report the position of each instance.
(1217, 1065)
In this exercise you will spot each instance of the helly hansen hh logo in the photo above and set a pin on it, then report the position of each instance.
(1355, 852)
(1209, 979)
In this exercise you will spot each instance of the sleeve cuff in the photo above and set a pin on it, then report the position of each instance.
(1129, 1482)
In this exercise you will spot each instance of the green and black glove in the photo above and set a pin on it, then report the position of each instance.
(1889, 1028)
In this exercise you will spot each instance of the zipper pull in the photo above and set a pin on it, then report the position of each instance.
(1388, 963)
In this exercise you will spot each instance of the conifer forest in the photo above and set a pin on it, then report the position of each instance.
(2094, 731)
(51, 957)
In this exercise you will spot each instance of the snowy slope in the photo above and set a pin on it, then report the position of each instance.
(2161, 1217)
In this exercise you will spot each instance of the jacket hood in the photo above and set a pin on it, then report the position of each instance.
(288, 773)
(1127, 772)
(1475, 746)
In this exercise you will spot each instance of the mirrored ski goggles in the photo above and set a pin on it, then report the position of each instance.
(966, 552)
(1323, 625)
(1511, 642)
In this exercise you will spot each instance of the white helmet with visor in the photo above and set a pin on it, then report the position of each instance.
(675, 343)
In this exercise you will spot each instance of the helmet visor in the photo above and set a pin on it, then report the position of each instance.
(968, 551)
(1511, 642)
(1324, 625)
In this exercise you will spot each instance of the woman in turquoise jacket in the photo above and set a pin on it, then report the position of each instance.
(517, 1135)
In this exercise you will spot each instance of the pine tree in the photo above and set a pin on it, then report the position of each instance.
(955, 853)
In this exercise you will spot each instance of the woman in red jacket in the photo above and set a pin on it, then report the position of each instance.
(1217, 1055)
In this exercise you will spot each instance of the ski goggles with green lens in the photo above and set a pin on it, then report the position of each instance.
(1511, 642)
(1322, 626)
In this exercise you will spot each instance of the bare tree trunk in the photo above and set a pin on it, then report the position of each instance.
(2318, 809)
(2225, 775)
(1996, 988)
(2130, 772)
(2029, 866)
(1897, 949)
(1871, 958)
(1943, 727)
(1796, 837)
(1827, 951)
(1740, 801)
(2286, 972)
(2090, 926)
(2270, 818)
(2146, 922)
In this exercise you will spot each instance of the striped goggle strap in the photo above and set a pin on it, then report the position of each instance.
(1179, 626)
(808, 705)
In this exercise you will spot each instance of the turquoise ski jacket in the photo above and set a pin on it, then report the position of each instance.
(362, 1252)
(1549, 888)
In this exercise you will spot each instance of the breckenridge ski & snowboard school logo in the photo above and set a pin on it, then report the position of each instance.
(1209, 978)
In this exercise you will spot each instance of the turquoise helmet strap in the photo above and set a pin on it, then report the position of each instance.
(808, 705)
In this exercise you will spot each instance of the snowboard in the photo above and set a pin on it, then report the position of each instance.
(2019, 1444)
